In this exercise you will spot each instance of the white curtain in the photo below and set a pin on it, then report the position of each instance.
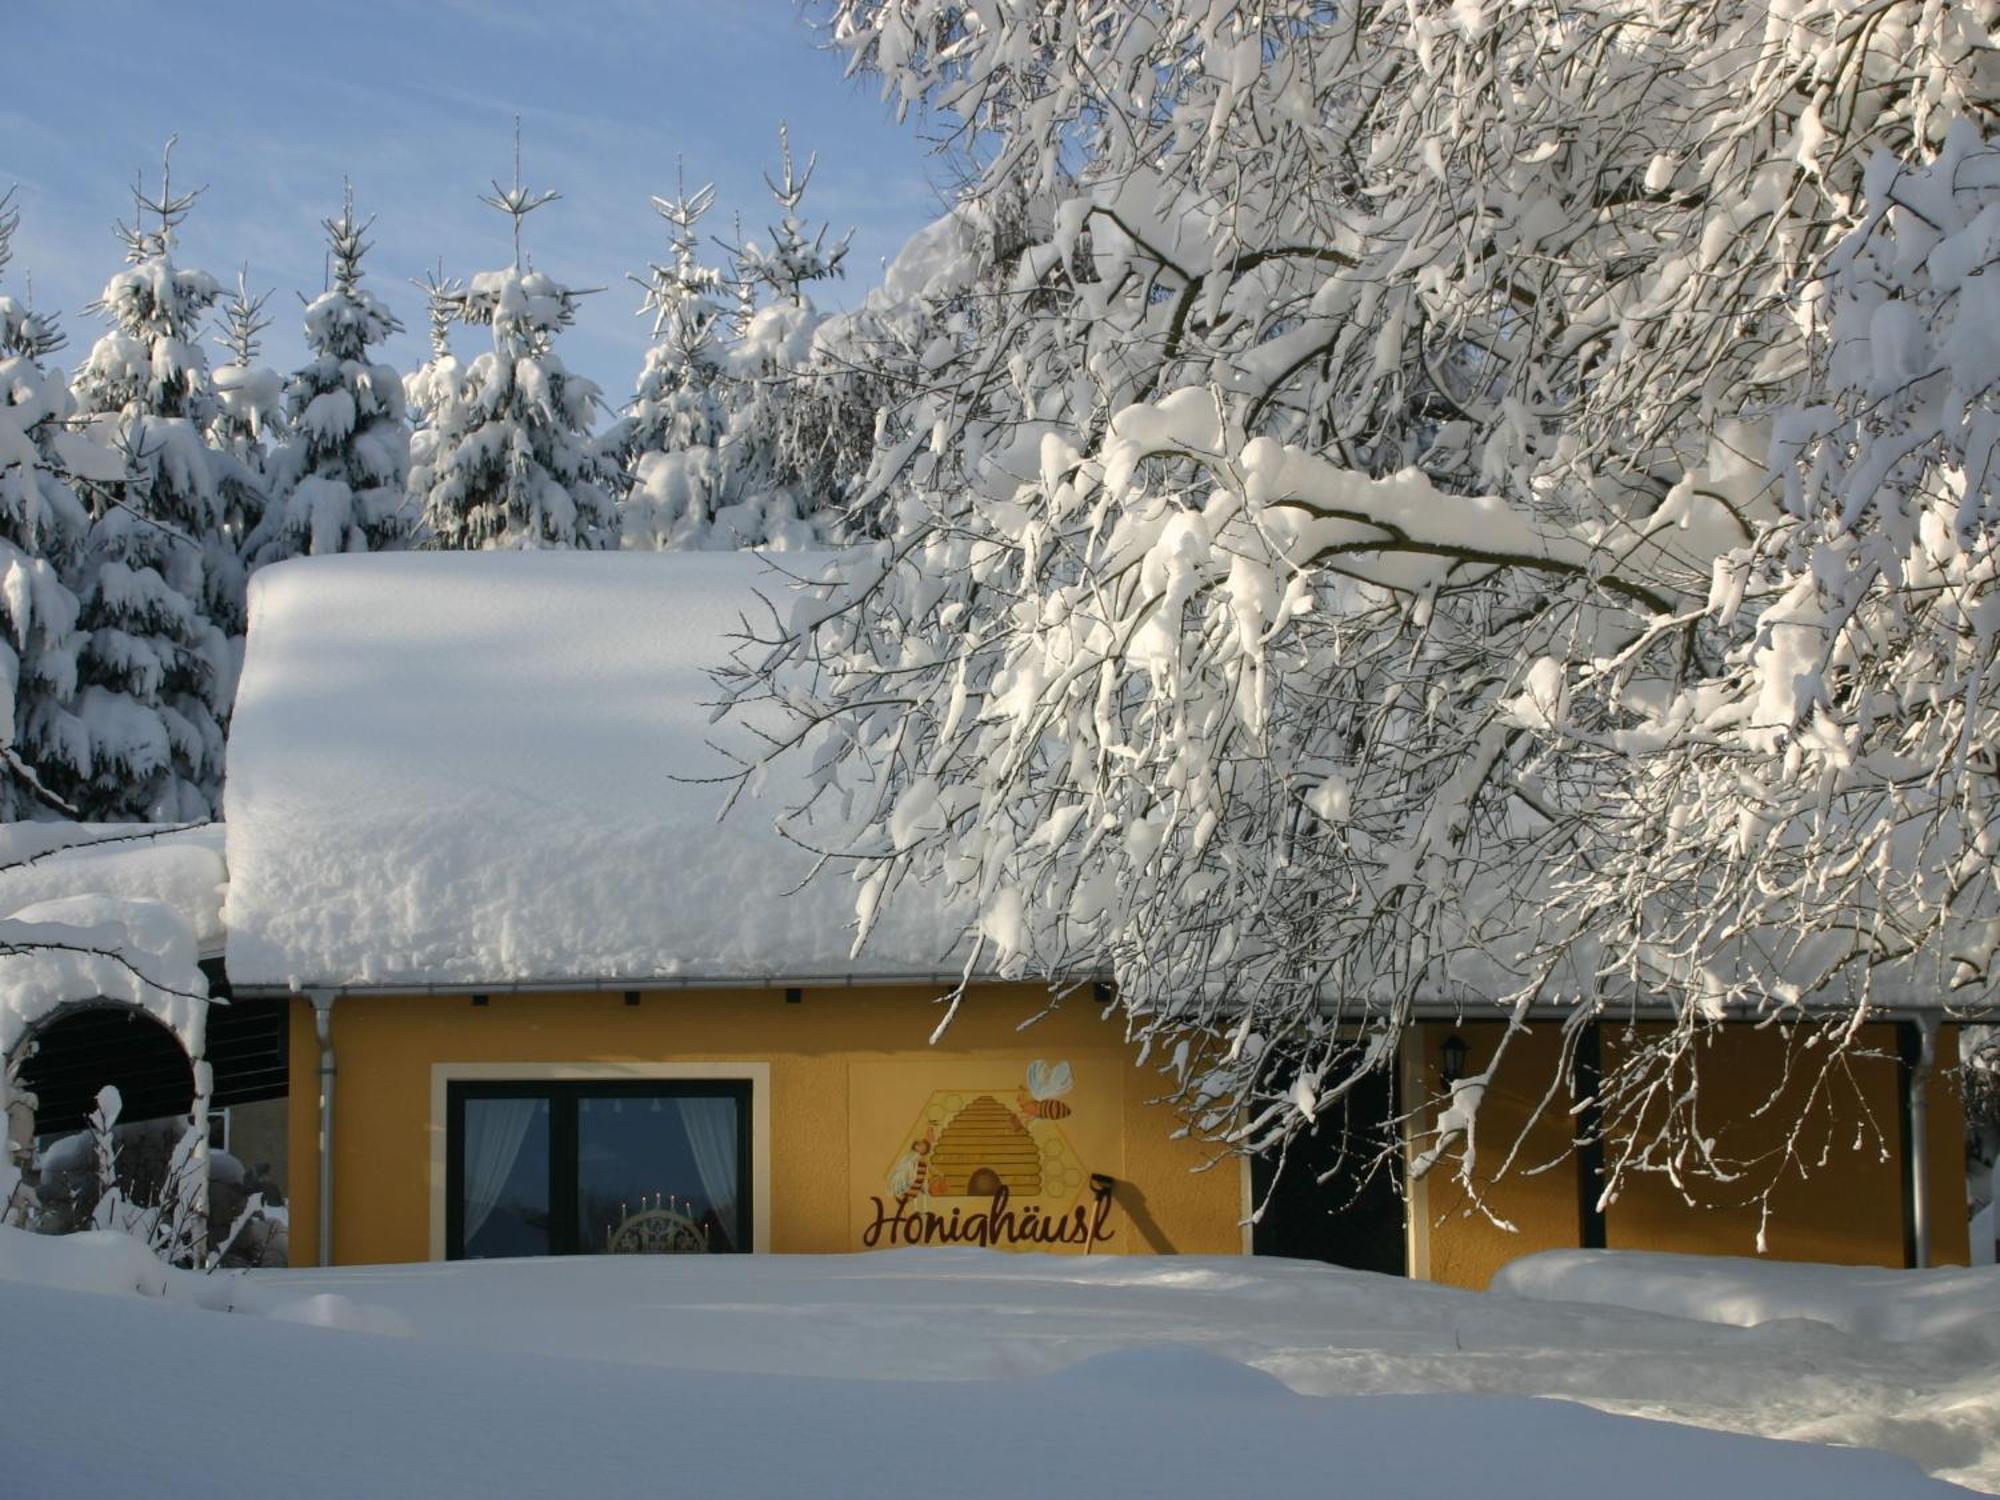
(711, 1132)
(495, 1130)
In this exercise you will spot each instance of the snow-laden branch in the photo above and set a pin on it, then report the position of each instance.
(1486, 508)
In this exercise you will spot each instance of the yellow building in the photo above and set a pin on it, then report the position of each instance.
(543, 1001)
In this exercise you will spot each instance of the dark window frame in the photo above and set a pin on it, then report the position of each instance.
(563, 1095)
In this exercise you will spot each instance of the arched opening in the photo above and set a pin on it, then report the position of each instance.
(55, 1076)
(62, 1067)
(88, 1046)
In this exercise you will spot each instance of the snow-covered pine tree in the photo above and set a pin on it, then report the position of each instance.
(339, 479)
(512, 462)
(248, 417)
(803, 425)
(42, 525)
(434, 390)
(794, 260)
(25, 331)
(742, 288)
(668, 442)
(728, 442)
(161, 585)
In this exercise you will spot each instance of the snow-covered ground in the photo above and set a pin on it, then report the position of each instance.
(922, 1373)
(981, 1375)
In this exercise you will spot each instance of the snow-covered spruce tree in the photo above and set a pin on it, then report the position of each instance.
(339, 481)
(742, 289)
(511, 459)
(161, 583)
(248, 413)
(785, 434)
(795, 259)
(668, 442)
(434, 390)
(1488, 505)
(743, 433)
(42, 526)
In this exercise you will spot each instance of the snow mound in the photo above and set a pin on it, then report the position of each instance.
(1173, 1370)
(332, 1310)
(1958, 1305)
(484, 768)
(100, 1260)
(937, 261)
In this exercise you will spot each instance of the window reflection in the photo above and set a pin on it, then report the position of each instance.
(658, 1175)
(563, 1168)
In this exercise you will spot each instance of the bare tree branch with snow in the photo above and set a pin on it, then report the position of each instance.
(1483, 506)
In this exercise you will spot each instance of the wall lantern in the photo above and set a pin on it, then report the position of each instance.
(1451, 1059)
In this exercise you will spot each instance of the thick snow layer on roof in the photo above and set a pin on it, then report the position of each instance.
(179, 867)
(469, 768)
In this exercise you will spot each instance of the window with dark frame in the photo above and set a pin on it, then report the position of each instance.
(585, 1167)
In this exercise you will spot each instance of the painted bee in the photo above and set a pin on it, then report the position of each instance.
(1041, 1100)
(907, 1178)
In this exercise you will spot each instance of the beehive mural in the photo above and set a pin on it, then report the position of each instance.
(981, 1149)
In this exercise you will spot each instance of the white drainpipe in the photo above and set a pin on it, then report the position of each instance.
(322, 1003)
(1920, 1124)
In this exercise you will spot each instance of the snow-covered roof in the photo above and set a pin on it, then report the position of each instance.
(468, 769)
(179, 867)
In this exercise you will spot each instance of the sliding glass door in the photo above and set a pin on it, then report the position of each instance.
(649, 1168)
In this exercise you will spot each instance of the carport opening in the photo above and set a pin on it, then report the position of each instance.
(70, 1059)
(80, 1051)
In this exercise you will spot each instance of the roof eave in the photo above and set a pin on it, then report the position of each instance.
(1423, 1010)
(572, 985)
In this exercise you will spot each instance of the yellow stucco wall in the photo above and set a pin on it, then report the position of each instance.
(819, 1053)
(1465, 1243)
(1841, 1197)
(1840, 1201)
(845, 1065)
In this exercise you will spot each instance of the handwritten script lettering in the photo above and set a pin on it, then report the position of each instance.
(995, 1225)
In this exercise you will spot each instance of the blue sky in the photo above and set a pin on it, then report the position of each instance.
(414, 100)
